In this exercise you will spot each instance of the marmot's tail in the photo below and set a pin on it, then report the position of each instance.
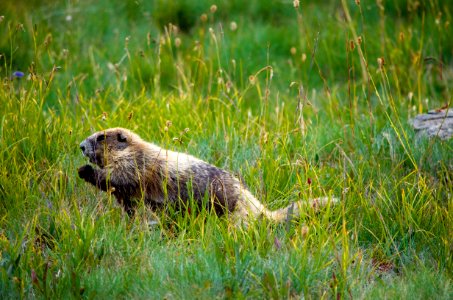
(251, 207)
(297, 208)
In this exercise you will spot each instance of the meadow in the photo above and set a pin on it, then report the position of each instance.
(300, 99)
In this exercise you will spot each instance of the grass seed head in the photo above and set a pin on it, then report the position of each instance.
(303, 57)
(296, 3)
(177, 42)
(304, 231)
(381, 62)
(233, 26)
(204, 18)
(213, 8)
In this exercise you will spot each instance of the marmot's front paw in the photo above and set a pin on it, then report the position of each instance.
(85, 171)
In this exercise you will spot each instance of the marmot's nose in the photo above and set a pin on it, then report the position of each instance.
(82, 147)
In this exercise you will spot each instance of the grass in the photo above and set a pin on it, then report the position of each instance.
(300, 102)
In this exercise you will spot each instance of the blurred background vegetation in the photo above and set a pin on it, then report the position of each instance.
(414, 38)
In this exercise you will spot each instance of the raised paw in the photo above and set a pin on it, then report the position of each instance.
(85, 172)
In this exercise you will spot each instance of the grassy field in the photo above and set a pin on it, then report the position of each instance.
(301, 102)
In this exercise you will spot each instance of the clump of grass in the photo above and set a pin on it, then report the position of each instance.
(298, 105)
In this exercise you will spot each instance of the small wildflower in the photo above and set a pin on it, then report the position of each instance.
(233, 26)
(204, 18)
(296, 3)
(68, 18)
(252, 79)
(309, 181)
(213, 8)
(293, 50)
(18, 74)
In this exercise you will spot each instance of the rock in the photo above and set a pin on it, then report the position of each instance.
(438, 122)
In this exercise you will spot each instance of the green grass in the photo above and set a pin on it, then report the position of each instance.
(277, 116)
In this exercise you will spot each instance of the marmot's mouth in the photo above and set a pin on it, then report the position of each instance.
(94, 161)
(97, 162)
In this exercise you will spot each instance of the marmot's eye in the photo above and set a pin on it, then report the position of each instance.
(122, 138)
(100, 138)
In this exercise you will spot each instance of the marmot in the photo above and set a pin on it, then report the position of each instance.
(131, 168)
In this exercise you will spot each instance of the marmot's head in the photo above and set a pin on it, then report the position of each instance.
(106, 145)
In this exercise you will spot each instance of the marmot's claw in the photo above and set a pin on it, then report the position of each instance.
(85, 171)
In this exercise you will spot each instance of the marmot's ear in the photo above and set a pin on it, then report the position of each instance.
(121, 137)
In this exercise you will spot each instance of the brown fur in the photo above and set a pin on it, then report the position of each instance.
(131, 168)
